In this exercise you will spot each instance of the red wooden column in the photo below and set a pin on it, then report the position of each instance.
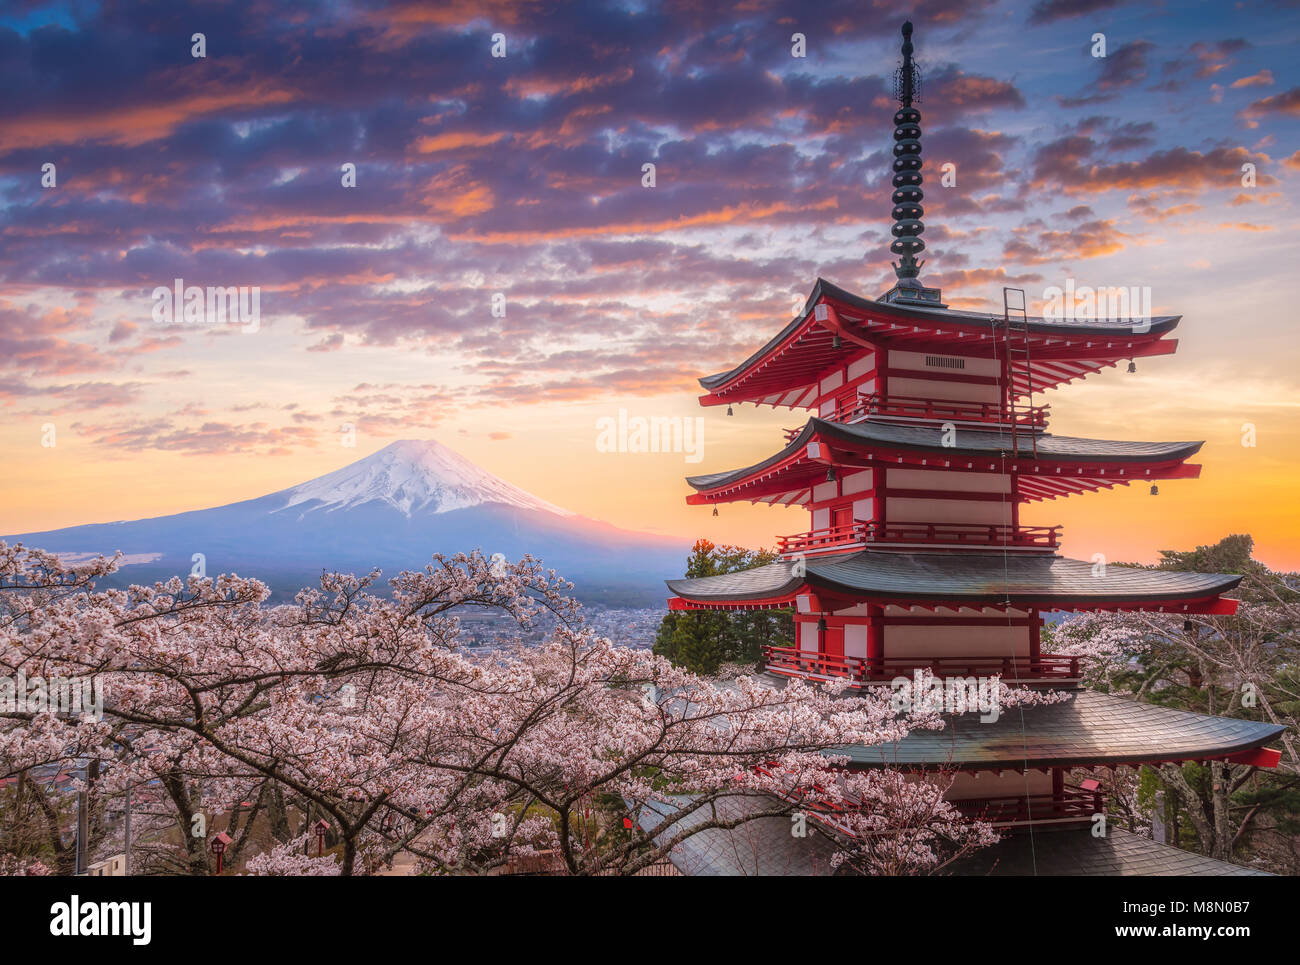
(1058, 788)
(1035, 641)
(875, 638)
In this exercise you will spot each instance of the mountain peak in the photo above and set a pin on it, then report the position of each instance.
(414, 476)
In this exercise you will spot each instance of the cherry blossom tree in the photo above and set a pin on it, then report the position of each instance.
(365, 711)
(1239, 665)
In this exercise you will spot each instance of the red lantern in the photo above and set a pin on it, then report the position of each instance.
(320, 827)
(218, 847)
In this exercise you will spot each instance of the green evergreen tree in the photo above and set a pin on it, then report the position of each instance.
(701, 641)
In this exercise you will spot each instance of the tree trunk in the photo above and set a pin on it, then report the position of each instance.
(1219, 791)
(1171, 775)
(196, 848)
(277, 816)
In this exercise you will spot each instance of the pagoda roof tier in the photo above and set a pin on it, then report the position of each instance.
(1047, 465)
(760, 846)
(840, 580)
(1078, 852)
(765, 846)
(786, 369)
(1089, 730)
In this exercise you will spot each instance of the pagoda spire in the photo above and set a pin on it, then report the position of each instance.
(907, 166)
(907, 213)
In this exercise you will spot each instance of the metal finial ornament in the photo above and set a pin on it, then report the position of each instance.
(907, 229)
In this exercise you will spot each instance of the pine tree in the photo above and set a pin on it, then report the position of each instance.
(701, 641)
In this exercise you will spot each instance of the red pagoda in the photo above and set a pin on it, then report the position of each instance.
(924, 444)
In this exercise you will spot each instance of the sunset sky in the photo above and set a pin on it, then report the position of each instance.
(523, 175)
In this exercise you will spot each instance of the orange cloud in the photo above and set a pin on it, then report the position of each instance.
(453, 140)
(135, 125)
(1263, 79)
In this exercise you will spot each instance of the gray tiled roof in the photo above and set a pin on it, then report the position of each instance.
(1077, 852)
(960, 577)
(1091, 728)
(1037, 324)
(762, 846)
(967, 442)
(765, 846)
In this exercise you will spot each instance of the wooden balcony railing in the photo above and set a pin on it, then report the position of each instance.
(829, 538)
(1073, 802)
(939, 410)
(964, 534)
(803, 663)
(933, 410)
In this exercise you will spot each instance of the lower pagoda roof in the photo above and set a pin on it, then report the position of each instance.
(762, 846)
(1089, 730)
(890, 576)
(765, 846)
(1078, 852)
(1048, 464)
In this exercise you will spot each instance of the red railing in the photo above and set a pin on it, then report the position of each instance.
(831, 537)
(792, 660)
(1073, 802)
(935, 410)
(939, 410)
(974, 534)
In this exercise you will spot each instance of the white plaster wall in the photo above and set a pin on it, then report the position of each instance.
(860, 366)
(937, 389)
(985, 784)
(948, 481)
(855, 640)
(857, 482)
(947, 511)
(916, 360)
(832, 382)
(956, 641)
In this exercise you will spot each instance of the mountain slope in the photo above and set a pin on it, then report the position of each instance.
(413, 477)
(392, 509)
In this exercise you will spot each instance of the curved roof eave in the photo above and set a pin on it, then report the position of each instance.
(1037, 324)
(1050, 448)
(959, 579)
(1092, 728)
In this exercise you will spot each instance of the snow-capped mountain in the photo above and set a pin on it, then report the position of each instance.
(413, 476)
(392, 509)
